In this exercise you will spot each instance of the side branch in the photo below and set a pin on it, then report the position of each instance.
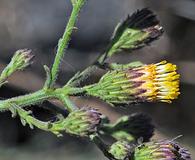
(63, 42)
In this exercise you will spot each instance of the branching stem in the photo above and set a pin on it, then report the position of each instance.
(39, 97)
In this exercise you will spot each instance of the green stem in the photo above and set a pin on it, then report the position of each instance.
(5, 74)
(26, 100)
(63, 42)
(27, 118)
(38, 97)
(84, 75)
(70, 106)
(88, 71)
(101, 145)
(101, 59)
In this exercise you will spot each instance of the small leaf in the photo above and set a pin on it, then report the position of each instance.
(48, 77)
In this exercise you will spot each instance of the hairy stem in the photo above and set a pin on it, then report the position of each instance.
(98, 63)
(89, 70)
(84, 75)
(101, 145)
(27, 118)
(63, 42)
(70, 106)
(38, 97)
(26, 100)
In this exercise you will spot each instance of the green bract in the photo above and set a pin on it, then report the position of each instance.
(120, 150)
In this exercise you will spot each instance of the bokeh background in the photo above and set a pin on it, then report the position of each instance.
(39, 24)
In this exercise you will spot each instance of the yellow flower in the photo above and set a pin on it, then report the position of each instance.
(161, 81)
(151, 83)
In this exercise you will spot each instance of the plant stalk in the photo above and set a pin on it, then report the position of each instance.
(38, 97)
(63, 42)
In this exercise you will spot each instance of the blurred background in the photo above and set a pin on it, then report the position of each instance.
(39, 24)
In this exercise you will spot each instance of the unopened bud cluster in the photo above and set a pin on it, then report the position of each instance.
(20, 60)
(82, 122)
(136, 31)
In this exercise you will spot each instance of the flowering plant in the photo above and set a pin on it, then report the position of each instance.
(123, 84)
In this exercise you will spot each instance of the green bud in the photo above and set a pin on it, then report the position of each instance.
(165, 150)
(135, 31)
(21, 59)
(120, 150)
(81, 122)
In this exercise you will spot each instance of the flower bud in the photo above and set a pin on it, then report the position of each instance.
(135, 31)
(21, 59)
(82, 122)
(149, 83)
(165, 150)
(120, 150)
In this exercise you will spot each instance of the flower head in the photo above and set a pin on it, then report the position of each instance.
(165, 150)
(82, 122)
(135, 31)
(148, 83)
